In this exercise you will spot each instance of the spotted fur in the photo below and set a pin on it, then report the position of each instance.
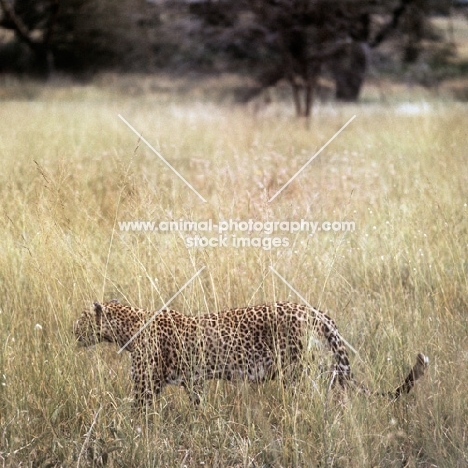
(254, 343)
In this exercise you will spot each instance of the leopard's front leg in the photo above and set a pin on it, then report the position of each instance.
(146, 385)
(194, 391)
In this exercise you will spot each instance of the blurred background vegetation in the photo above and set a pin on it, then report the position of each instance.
(316, 47)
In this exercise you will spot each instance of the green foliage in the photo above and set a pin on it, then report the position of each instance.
(84, 35)
(93, 35)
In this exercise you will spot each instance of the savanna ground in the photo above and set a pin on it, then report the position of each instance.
(396, 285)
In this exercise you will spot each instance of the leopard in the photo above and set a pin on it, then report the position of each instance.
(254, 343)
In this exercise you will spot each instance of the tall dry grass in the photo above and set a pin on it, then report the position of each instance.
(396, 285)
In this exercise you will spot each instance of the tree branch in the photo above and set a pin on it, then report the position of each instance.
(18, 24)
(396, 15)
(52, 21)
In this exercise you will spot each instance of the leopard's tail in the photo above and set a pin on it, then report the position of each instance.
(342, 369)
(416, 372)
(326, 327)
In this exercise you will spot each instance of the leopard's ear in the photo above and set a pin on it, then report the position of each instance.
(97, 309)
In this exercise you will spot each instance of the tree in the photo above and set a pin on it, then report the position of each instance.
(26, 16)
(297, 39)
(79, 36)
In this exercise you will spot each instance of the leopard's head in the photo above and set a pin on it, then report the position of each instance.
(93, 326)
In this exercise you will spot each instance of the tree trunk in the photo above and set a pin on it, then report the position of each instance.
(349, 70)
(43, 59)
